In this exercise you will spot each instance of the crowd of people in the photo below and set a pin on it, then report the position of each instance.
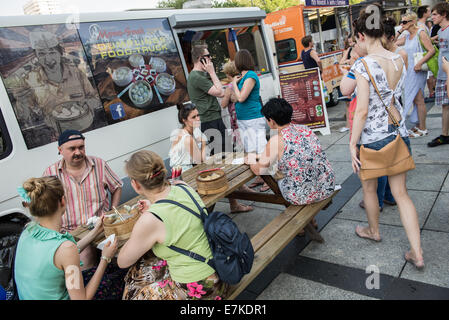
(74, 189)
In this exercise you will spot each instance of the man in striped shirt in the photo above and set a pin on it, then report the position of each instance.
(86, 180)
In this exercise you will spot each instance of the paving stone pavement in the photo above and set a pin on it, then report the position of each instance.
(340, 268)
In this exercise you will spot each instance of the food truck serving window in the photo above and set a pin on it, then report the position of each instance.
(223, 44)
(286, 50)
(5, 141)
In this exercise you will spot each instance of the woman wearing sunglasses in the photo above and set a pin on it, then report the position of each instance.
(415, 41)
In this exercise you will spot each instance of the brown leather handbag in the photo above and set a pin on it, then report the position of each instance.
(391, 160)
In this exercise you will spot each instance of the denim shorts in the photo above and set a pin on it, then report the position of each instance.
(382, 143)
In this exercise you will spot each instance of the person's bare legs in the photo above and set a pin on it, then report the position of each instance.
(445, 120)
(369, 188)
(422, 110)
(238, 207)
(407, 211)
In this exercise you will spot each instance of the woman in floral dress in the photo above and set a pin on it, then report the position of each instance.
(307, 174)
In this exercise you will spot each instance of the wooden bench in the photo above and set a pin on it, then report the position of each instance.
(275, 236)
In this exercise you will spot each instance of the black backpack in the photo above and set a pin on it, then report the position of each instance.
(232, 251)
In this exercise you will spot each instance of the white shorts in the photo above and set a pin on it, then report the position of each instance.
(253, 134)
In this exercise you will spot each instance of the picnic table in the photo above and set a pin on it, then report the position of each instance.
(237, 175)
(269, 242)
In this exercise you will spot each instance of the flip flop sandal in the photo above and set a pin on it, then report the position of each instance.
(418, 133)
(255, 184)
(365, 237)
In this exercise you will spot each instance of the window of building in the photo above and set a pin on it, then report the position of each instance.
(286, 50)
(251, 40)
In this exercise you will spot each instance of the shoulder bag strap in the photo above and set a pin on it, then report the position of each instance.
(187, 253)
(393, 119)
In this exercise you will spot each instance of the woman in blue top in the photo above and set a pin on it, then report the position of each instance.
(250, 120)
(47, 264)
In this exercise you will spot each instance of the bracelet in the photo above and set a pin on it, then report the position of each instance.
(108, 260)
(399, 32)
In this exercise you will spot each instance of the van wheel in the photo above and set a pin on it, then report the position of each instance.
(333, 98)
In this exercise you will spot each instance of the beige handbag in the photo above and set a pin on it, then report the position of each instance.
(391, 160)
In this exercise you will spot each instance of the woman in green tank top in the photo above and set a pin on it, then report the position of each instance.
(47, 263)
(158, 272)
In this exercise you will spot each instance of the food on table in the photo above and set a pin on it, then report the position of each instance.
(140, 93)
(136, 60)
(210, 177)
(122, 76)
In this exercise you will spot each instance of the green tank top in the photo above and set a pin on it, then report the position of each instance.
(186, 231)
(36, 276)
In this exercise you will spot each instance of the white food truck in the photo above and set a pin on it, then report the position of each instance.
(57, 75)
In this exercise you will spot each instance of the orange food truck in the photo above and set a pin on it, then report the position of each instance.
(292, 24)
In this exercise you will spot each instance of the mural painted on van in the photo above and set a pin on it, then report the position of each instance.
(48, 81)
(136, 66)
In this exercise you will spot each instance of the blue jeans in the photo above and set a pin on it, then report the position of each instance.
(382, 143)
(384, 191)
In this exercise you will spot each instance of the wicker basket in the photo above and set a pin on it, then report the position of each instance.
(121, 229)
(213, 186)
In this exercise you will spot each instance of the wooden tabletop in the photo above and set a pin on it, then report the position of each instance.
(237, 175)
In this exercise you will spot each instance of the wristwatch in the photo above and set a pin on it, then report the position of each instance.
(108, 260)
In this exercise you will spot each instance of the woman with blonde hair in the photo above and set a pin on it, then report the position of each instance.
(229, 101)
(47, 263)
(158, 272)
(416, 78)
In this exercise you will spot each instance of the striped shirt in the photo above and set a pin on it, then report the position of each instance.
(89, 197)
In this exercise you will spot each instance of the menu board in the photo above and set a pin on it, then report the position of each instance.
(304, 92)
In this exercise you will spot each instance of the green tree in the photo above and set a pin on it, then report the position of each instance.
(267, 5)
(177, 4)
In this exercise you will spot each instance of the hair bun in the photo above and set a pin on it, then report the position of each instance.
(34, 186)
(180, 106)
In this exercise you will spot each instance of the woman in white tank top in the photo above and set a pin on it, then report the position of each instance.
(371, 128)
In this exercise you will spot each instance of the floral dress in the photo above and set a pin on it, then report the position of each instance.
(149, 279)
(308, 175)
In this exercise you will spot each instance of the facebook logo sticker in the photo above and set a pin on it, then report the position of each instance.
(117, 111)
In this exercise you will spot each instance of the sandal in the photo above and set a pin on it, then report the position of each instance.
(264, 188)
(418, 133)
(359, 231)
(418, 264)
(243, 208)
(256, 183)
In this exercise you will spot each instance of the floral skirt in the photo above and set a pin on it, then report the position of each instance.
(149, 279)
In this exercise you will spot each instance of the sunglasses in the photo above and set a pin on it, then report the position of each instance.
(405, 22)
